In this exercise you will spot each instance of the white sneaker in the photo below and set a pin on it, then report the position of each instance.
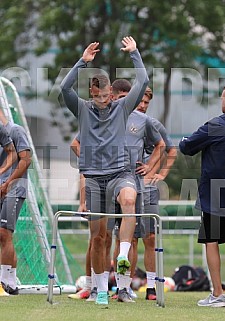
(132, 294)
(123, 296)
(213, 301)
(93, 295)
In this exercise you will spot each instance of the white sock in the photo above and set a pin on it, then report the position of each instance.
(93, 279)
(106, 275)
(123, 281)
(150, 279)
(124, 248)
(102, 282)
(116, 278)
(106, 280)
(128, 280)
(88, 282)
(12, 278)
(5, 270)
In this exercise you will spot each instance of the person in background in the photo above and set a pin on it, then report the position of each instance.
(90, 279)
(145, 228)
(139, 129)
(13, 191)
(209, 139)
(6, 144)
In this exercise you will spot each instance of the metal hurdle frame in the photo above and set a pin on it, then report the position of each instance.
(158, 251)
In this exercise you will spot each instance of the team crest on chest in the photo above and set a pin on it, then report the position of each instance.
(133, 129)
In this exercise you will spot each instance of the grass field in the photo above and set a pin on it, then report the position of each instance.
(176, 251)
(179, 306)
(176, 247)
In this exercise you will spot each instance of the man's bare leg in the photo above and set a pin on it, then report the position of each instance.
(214, 265)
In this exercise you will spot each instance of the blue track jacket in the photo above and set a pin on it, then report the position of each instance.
(210, 140)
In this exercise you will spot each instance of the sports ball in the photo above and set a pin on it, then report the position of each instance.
(169, 284)
(80, 282)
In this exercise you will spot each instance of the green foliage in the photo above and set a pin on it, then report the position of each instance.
(169, 34)
(184, 167)
(14, 36)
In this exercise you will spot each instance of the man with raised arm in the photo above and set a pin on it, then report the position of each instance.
(104, 159)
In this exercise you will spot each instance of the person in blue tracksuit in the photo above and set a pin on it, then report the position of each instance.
(209, 139)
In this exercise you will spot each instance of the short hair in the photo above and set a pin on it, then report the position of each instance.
(121, 85)
(148, 92)
(100, 81)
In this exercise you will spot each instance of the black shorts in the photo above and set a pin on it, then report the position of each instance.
(212, 229)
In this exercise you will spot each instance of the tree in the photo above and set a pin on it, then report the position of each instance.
(170, 34)
(15, 25)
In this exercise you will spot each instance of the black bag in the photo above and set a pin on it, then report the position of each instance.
(188, 278)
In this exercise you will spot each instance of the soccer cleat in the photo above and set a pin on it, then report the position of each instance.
(132, 294)
(102, 298)
(93, 295)
(122, 264)
(82, 294)
(12, 291)
(123, 296)
(213, 301)
(114, 296)
(150, 294)
(2, 291)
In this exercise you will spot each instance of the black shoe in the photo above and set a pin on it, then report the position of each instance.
(9, 290)
(12, 291)
(150, 294)
(4, 287)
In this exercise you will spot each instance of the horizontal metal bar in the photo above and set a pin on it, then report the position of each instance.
(74, 231)
(163, 218)
(168, 232)
(161, 202)
(180, 218)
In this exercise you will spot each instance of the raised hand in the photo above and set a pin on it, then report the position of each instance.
(90, 52)
(129, 44)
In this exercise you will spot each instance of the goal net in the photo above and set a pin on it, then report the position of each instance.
(32, 238)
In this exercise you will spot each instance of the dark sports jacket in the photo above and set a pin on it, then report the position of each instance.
(210, 140)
